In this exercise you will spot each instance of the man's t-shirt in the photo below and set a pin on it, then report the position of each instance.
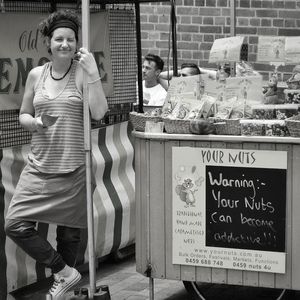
(154, 96)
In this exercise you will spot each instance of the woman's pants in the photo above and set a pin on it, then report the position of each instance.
(24, 234)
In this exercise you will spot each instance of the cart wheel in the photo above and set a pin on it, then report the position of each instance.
(193, 289)
(289, 295)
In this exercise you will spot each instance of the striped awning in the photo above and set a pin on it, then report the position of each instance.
(113, 198)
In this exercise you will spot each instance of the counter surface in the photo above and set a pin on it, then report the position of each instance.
(218, 138)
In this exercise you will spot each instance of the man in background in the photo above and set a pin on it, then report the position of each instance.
(186, 69)
(153, 92)
(189, 69)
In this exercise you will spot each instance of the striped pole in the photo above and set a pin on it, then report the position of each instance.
(85, 8)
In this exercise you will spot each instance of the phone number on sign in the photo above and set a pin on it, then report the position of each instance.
(219, 263)
(257, 267)
(207, 262)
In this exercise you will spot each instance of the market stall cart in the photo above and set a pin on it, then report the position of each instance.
(218, 209)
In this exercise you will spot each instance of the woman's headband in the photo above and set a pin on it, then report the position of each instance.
(63, 23)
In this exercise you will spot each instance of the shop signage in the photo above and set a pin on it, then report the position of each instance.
(247, 89)
(229, 208)
(285, 50)
(22, 48)
(226, 50)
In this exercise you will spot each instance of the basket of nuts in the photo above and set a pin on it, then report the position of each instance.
(180, 126)
(227, 126)
(293, 125)
(139, 120)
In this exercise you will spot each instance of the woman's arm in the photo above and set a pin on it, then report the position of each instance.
(97, 99)
(26, 117)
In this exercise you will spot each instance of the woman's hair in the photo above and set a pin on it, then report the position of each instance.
(62, 18)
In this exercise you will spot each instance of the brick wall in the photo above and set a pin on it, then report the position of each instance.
(200, 22)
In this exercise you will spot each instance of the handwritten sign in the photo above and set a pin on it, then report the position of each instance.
(214, 88)
(229, 208)
(271, 49)
(292, 49)
(245, 208)
(284, 50)
(226, 50)
(183, 88)
(243, 88)
(247, 88)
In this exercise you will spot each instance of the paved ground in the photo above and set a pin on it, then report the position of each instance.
(123, 282)
(126, 284)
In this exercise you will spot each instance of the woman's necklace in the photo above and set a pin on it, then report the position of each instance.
(57, 79)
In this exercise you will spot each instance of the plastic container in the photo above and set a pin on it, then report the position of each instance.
(292, 96)
(284, 111)
(264, 127)
(263, 111)
(275, 128)
(293, 125)
(154, 127)
(252, 127)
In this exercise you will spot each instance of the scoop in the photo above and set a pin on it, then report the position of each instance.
(48, 120)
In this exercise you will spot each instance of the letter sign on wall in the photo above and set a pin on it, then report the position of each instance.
(22, 48)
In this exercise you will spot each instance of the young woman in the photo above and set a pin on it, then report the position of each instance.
(51, 188)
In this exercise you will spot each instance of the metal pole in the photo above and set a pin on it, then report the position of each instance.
(151, 288)
(85, 6)
(139, 55)
(174, 40)
(232, 17)
(232, 29)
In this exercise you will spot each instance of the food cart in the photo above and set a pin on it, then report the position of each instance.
(161, 214)
(220, 207)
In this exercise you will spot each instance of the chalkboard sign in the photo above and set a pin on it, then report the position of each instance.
(229, 208)
(245, 208)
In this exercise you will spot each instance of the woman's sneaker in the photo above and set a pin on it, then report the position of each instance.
(62, 284)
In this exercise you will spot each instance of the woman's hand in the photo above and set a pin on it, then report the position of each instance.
(88, 63)
(97, 99)
(37, 125)
(32, 124)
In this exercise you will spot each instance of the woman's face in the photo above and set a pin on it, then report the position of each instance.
(63, 43)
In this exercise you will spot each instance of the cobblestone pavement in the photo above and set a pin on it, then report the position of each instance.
(126, 284)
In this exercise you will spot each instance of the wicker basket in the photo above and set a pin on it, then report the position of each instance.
(177, 126)
(138, 120)
(202, 126)
(293, 125)
(231, 127)
(221, 128)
